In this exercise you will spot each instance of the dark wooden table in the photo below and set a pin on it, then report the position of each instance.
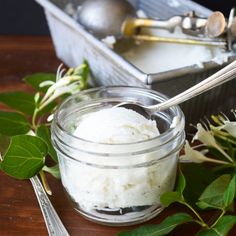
(19, 210)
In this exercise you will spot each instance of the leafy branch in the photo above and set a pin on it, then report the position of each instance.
(199, 188)
(25, 141)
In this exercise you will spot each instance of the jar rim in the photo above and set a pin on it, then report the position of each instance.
(171, 132)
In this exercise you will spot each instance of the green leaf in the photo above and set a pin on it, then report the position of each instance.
(4, 143)
(181, 182)
(177, 196)
(54, 171)
(212, 196)
(223, 226)
(198, 177)
(230, 208)
(229, 194)
(224, 169)
(13, 123)
(35, 79)
(24, 157)
(163, 228)
(44, 133)
(84, 73)
(21, 101)
(170, 197)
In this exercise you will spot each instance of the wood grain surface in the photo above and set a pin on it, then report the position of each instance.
(19, 210)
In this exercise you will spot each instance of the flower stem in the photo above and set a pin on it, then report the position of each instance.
(222, 213)
(226, 139)
(200, 220)
(34, 119)
(45, 183)
(217, 161)
(225, 154)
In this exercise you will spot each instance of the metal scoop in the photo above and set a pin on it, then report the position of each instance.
(118, 18)
(220, 77)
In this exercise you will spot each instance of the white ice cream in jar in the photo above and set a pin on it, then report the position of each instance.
(114, 162)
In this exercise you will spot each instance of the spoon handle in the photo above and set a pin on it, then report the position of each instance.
(220, 77)
(52, 220)
(169, 24)
(188, 41)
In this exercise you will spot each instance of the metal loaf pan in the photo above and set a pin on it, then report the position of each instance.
(73, 44)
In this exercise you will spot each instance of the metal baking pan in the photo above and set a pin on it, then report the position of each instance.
(73, 44)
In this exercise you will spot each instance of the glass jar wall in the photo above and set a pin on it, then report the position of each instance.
(117, 184)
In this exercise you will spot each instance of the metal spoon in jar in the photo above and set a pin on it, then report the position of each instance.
(220, 77)
(118, 18)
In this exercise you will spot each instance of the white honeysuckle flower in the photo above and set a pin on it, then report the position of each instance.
(206, 137)
(197, 156)
(77, 69)
(54, 87)
(59, 72)
(36, 97)
(67, 89)
(60, 75)
(229, 126)
(31, 133)
(60, 91)
(224, 124)
(1, 159)
(191, 154)
(46, 83)
(70, 71)
(50, 118)
(234, 112)
(72, 88)
(204, 151)
(61, 86)
(69, 82)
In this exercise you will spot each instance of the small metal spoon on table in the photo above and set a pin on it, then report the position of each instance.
(220, 77)
(54, 225)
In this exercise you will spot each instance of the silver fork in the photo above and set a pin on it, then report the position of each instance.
(54, 225)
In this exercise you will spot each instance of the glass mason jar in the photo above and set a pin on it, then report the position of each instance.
(117, 184)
